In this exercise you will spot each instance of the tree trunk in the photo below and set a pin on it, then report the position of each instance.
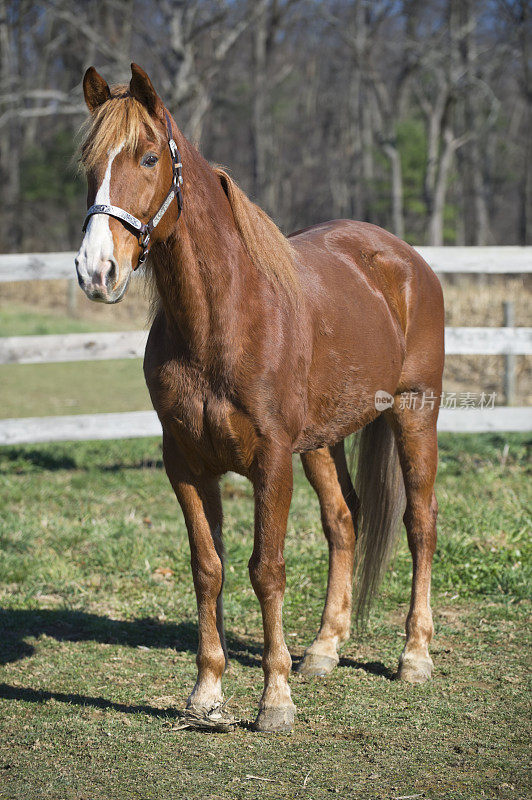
(475, 211)
(525, 188)
(436, 221)
(10, 138)
(354, 189)
(394, 157)
(266, 24)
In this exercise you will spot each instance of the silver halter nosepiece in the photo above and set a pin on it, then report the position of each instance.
(143, 230)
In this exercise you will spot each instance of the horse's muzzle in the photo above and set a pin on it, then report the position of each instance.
(103, 285)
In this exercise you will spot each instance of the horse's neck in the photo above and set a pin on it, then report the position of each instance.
(201, 269)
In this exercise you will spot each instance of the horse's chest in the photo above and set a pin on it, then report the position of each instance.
(208, 429)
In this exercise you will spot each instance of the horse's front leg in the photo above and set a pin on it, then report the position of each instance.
(272, 481)
(199, 497)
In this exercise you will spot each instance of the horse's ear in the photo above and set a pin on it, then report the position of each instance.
(141, 89)
(95, 89)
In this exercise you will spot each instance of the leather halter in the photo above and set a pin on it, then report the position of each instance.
(143, 230)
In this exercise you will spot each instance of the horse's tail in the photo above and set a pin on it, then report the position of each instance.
(380, 489)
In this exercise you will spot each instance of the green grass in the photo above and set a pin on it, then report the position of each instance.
(41, 390)
(98, 649)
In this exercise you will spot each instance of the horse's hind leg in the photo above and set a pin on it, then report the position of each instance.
(416, 436)
(327, 471)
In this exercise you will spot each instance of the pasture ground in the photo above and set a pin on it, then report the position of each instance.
(98, 634)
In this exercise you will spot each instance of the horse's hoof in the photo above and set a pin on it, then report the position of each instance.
(313, 664)
(275, 719)
(417, 671)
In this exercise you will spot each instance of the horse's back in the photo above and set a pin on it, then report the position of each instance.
(359, 261)
(388, 263)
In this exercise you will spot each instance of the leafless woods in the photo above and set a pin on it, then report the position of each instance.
(413, 114)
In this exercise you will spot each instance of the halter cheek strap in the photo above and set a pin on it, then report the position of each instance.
(143, 230)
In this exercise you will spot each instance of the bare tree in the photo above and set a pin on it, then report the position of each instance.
(520, 16)
(388, 88)
(310, 102)
(438, 96)
(199, 40)
(269, 19)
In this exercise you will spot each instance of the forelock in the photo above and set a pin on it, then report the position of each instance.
(120, 119)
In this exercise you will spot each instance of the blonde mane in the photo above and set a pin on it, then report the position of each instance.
(268, 248)
(119, 119)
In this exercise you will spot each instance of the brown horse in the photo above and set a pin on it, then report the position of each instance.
(261, 347)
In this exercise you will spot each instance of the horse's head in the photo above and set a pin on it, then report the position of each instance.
(130, 168)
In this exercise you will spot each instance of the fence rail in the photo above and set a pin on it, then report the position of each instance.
(472, 260)
(131, 344)
(507, 341)
(137, 424)
(72, 347)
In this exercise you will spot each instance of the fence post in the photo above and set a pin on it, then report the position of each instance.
(509, 359)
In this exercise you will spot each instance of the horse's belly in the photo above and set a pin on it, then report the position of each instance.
(349, 368)
(337, 418)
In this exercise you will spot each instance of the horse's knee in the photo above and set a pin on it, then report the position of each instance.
(208, 576)
(268, 576)
(338, 526)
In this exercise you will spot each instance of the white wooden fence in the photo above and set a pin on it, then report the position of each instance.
(476, 260)
(508, 341)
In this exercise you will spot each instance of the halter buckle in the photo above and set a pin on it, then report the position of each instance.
(144, 241)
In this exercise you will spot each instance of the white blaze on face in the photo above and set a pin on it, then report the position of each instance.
(97, 245)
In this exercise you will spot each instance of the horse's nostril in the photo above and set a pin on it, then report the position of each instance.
(80, 279)
(111, 275)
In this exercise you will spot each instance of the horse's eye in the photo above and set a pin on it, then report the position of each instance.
(149, 160)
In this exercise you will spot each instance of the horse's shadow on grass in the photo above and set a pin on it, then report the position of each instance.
(371, 667)
(38, 458)
(33, 458)
(42, 695)
(64, 625)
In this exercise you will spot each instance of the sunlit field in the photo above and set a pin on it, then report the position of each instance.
(98, 635)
